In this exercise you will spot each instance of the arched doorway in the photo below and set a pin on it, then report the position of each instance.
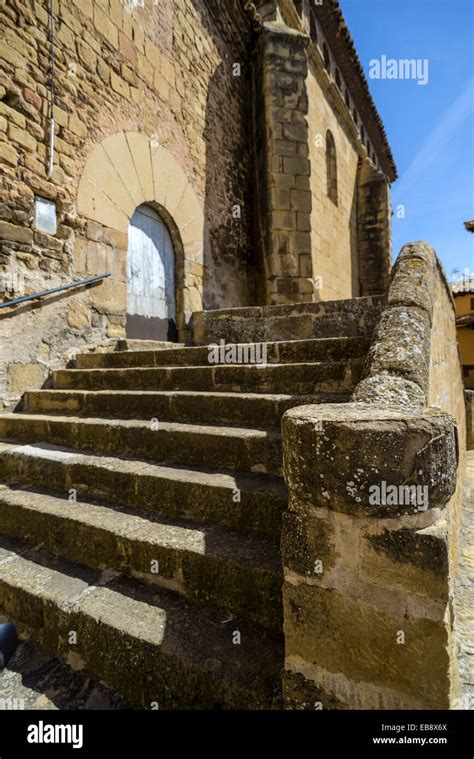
(151, 289)
(123, 171)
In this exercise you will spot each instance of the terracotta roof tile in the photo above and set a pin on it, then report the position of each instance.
(332, 20)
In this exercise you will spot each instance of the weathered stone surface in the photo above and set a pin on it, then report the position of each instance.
(280, 352)
(386, 560)
(119, 623)
(373, 229)
(463, 587)
(24, 376)
(334, 376)
(400, 348)
(413, 278)
(239, 575)
(204, 560)
(8, 154)
(342, 634)
(303, 694)
(386, 389)
(193, 406)
(282, 90)
(248, 449)
(78, 315)
(185, 493)
(15, 233)
(288, 322)
(36, 680)
(350, 447)
(415, 560)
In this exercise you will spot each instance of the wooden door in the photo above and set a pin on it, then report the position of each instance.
(151, 310)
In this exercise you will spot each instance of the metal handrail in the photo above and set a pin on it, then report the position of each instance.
(24, 298)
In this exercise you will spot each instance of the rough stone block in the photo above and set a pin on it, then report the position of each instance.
(78, 315)
(105, 27)
(12, 116)
(413, 277)
(308, 541)
(295, 165)
(415, 560)
(8, 154)
(352, 449)
(401, 346)
(15, 233)
(22, 137)
(342, 634)
(21, 377)
(119, 85)
(77, 126)
(303, 694)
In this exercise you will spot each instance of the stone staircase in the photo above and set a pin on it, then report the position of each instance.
(141, 504)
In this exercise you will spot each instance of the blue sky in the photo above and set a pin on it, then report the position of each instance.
(430, 127)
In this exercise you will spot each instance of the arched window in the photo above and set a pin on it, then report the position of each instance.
(331, 167)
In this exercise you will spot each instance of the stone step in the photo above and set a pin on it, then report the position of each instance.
(199, 407)
(288, 352)
(152, 645)
(36, 680)
(221, 447)
(134, 344)
(336, 318)
(206, 563)
(238, 500)
(332, 376)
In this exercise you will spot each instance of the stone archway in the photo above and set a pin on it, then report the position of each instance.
(126, 170)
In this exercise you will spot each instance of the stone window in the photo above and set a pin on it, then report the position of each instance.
(45, 215)
(338, 78)
(331, 167)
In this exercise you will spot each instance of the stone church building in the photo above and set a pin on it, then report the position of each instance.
(250, 142)
(197, 171)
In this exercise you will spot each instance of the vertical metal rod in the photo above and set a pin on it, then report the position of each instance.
(51, 121)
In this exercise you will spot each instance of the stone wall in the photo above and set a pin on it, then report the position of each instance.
(164, 73)
(446, 391)
(318, 238)
(334, 244)
(369, 578)
(282, 168)
(313, 244)
(374, 229)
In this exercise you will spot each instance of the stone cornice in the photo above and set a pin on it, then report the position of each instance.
(332, 21)
(339, 40)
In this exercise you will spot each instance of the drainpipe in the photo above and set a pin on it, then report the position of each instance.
(51, 120)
